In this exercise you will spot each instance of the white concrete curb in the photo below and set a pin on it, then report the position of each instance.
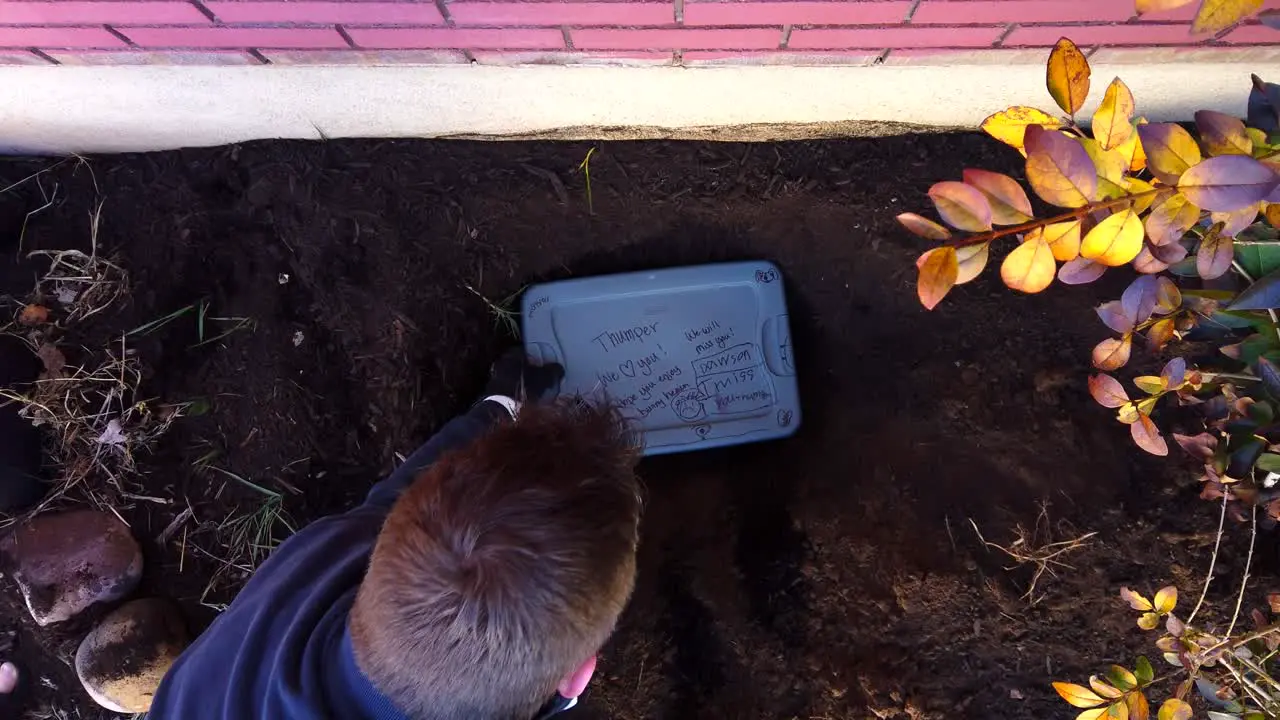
(109, 109)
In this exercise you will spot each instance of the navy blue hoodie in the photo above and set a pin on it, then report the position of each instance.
(282, 651)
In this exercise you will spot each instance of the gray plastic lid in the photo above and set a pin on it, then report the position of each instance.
(697, 357)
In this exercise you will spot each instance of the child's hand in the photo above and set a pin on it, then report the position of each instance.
(515, 377)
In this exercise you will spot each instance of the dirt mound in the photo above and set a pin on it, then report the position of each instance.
(832, 575)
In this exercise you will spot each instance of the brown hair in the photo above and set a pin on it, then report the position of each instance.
(502, 567)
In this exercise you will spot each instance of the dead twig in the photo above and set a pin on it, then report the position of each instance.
(1028, 547)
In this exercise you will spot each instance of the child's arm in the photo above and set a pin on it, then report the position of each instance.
(512, 382)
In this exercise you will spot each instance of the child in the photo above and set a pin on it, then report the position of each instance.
(477, 582)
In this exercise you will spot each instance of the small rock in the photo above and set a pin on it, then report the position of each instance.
(122, 661)
(66, 562)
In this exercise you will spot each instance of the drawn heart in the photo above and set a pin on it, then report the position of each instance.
(785, 417)
(628, 368)
(703, 431)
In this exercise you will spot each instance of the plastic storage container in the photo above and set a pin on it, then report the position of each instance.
(698, 357)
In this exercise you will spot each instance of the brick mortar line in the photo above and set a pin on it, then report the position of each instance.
(345, 35)
(911, 12)
(40, 53)
(568, 39)
(205, 11)
(1008, 30)
(437, 26)
(119, 35)
(257, 55)
(442, 7)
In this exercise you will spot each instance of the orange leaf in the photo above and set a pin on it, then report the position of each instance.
(938, 271)
(1147, 436)
(1222, 134)
(1218, 15)
(1160, 333)
(1068, 76)
(1132, 149)
(924, 227)
(961, 206)
(971, 260)
(1138, 707)
(1114, 241)
(1078, 695)
(1063, 239)
(33, 315)
(1171, 219)
(1272, 213)
(1107, 391)
(1102, 688)
(1112, 123)
(1009, 126)
(1059, 169)
(1030, 267)
(1170, 150)
(1009, 202)
(1216, 252)
(1112, 353)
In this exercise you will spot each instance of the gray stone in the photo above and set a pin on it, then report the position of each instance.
(66, 562)
(122, 661)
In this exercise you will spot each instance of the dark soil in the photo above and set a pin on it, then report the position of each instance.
(832, 575)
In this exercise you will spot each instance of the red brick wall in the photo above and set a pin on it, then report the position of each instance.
(688, 32)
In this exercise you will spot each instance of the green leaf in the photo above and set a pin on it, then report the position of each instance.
(1269, 462)
(1259, 259)
(1262, 413)
(1143, 670)
(1264, 294)
(1121, 678)
(1227, 182)
(1243, 457)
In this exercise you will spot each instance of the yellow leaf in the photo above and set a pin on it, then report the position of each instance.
(1009, 126)
(1159, 334)
(1135, 600)
(1166, 599)
(1030, 267)
(1063, 239)
(1132, 149)
(1009, 202)
(1112, 354)
(1114, 241)
(1150, 6)
(1138, 707)
(1171, 219)
(924, 227)
(1078, 695)
(1174, 709)
(1222, 134)
(1112, 126)
(961, 206)
(1128, 414)
(1117, 711)
(1101, 687)
(1059, 169)
(1093, 714)
(1110, 164)
(1148, 621)
(1136, 186)
(1068, 76)
(1150, 384)
(1170, 150)
(971, 260)
(939, 269)
(1218, 15)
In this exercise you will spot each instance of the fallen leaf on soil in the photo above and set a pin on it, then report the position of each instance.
(54, 361)
(33, 315)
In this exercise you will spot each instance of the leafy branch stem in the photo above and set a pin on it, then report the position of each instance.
(1213, 560)
(1248, 562)
(1075, 214)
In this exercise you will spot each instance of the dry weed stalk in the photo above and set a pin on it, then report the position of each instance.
(1037, 548)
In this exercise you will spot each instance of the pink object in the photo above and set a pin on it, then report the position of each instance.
(460, 38)
(58, 37)
(1134, 35)
(895, 37)
(327, 13)
(562, 13)
(738, 39)
(958, 12)
(72, 12)
(234, 37)
(884, 12)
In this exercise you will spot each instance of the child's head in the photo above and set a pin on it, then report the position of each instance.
(503, 568)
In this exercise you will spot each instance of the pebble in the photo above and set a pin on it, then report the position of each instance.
(66, 562)
(122, 661)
